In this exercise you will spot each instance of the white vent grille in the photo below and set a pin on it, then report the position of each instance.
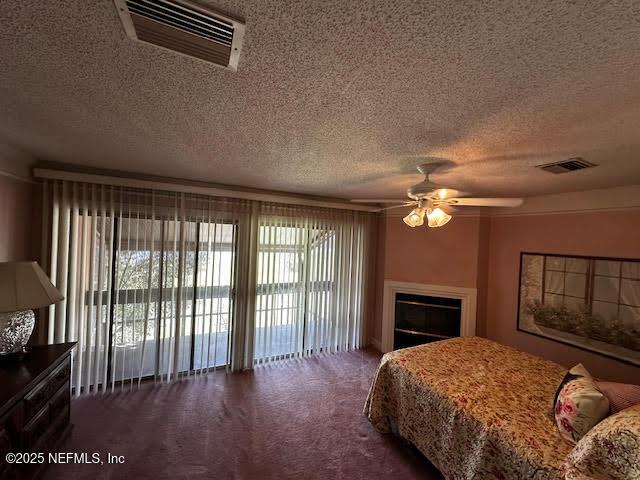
(185, 28)
(566, 166)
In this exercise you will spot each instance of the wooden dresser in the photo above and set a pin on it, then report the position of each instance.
(35, 405)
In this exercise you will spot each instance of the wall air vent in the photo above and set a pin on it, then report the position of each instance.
(184, 27)
(566, 166)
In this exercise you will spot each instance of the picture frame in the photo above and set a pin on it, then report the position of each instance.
(589, 302)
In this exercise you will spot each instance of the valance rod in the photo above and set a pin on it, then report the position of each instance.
(195, 189)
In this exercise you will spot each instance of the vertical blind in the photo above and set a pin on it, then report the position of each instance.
(160, 284)
(310, 273)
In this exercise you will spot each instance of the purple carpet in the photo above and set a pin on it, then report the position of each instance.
(297, 419)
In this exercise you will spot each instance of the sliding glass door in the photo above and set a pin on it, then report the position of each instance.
(214, 295)
(133, 320)
(171, 305)
(280, 292)
(295, 289)
(320, 330)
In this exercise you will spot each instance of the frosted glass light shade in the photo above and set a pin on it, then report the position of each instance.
(415, 218)
(24, 286)
(437, 217)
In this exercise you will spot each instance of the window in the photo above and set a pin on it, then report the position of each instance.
(164, 284)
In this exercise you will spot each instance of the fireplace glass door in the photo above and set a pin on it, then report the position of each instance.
(422, 319)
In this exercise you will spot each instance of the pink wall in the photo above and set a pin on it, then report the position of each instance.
(442, 256)
(613, 234)
(370, 307)
(16, 200)
(482, 279)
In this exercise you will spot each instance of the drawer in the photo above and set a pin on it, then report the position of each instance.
(6, 445)
(10, 427)
(47, 442)
(37, 398)
(61, 401)
(35, 429)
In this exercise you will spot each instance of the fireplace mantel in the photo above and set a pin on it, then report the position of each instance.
(467, 296)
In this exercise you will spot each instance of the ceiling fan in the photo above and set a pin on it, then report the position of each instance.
(432, 200)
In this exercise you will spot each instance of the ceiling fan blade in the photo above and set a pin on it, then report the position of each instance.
(404, 205)
(484, 202)
(448, 209)
(378, 200)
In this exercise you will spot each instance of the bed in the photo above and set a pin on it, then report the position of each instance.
(473, 407)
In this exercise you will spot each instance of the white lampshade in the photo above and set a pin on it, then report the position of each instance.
(415, 218)
(24, 286)
(437, 217)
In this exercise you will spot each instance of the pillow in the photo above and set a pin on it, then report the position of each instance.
(576, 372)
(620, 395)
(579, 404)
(611, 450)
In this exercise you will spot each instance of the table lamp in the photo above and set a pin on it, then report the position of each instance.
(23, 287)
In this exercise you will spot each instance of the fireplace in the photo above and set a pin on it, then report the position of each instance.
(424, 318)
(416, 313)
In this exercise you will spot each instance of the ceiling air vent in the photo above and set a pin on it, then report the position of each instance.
(184, 27)
(566, 166)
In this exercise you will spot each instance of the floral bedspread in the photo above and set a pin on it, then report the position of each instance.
(475, 408)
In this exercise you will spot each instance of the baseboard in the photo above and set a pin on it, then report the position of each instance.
(375, 343)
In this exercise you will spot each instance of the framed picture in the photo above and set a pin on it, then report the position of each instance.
(591, 303)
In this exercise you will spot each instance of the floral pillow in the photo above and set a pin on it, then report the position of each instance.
(610, 451)
(579, 405)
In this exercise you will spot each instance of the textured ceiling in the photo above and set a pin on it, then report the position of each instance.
(336, 98)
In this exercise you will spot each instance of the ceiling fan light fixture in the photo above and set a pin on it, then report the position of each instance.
(429, 197)
(437, 218)
(415, 218)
